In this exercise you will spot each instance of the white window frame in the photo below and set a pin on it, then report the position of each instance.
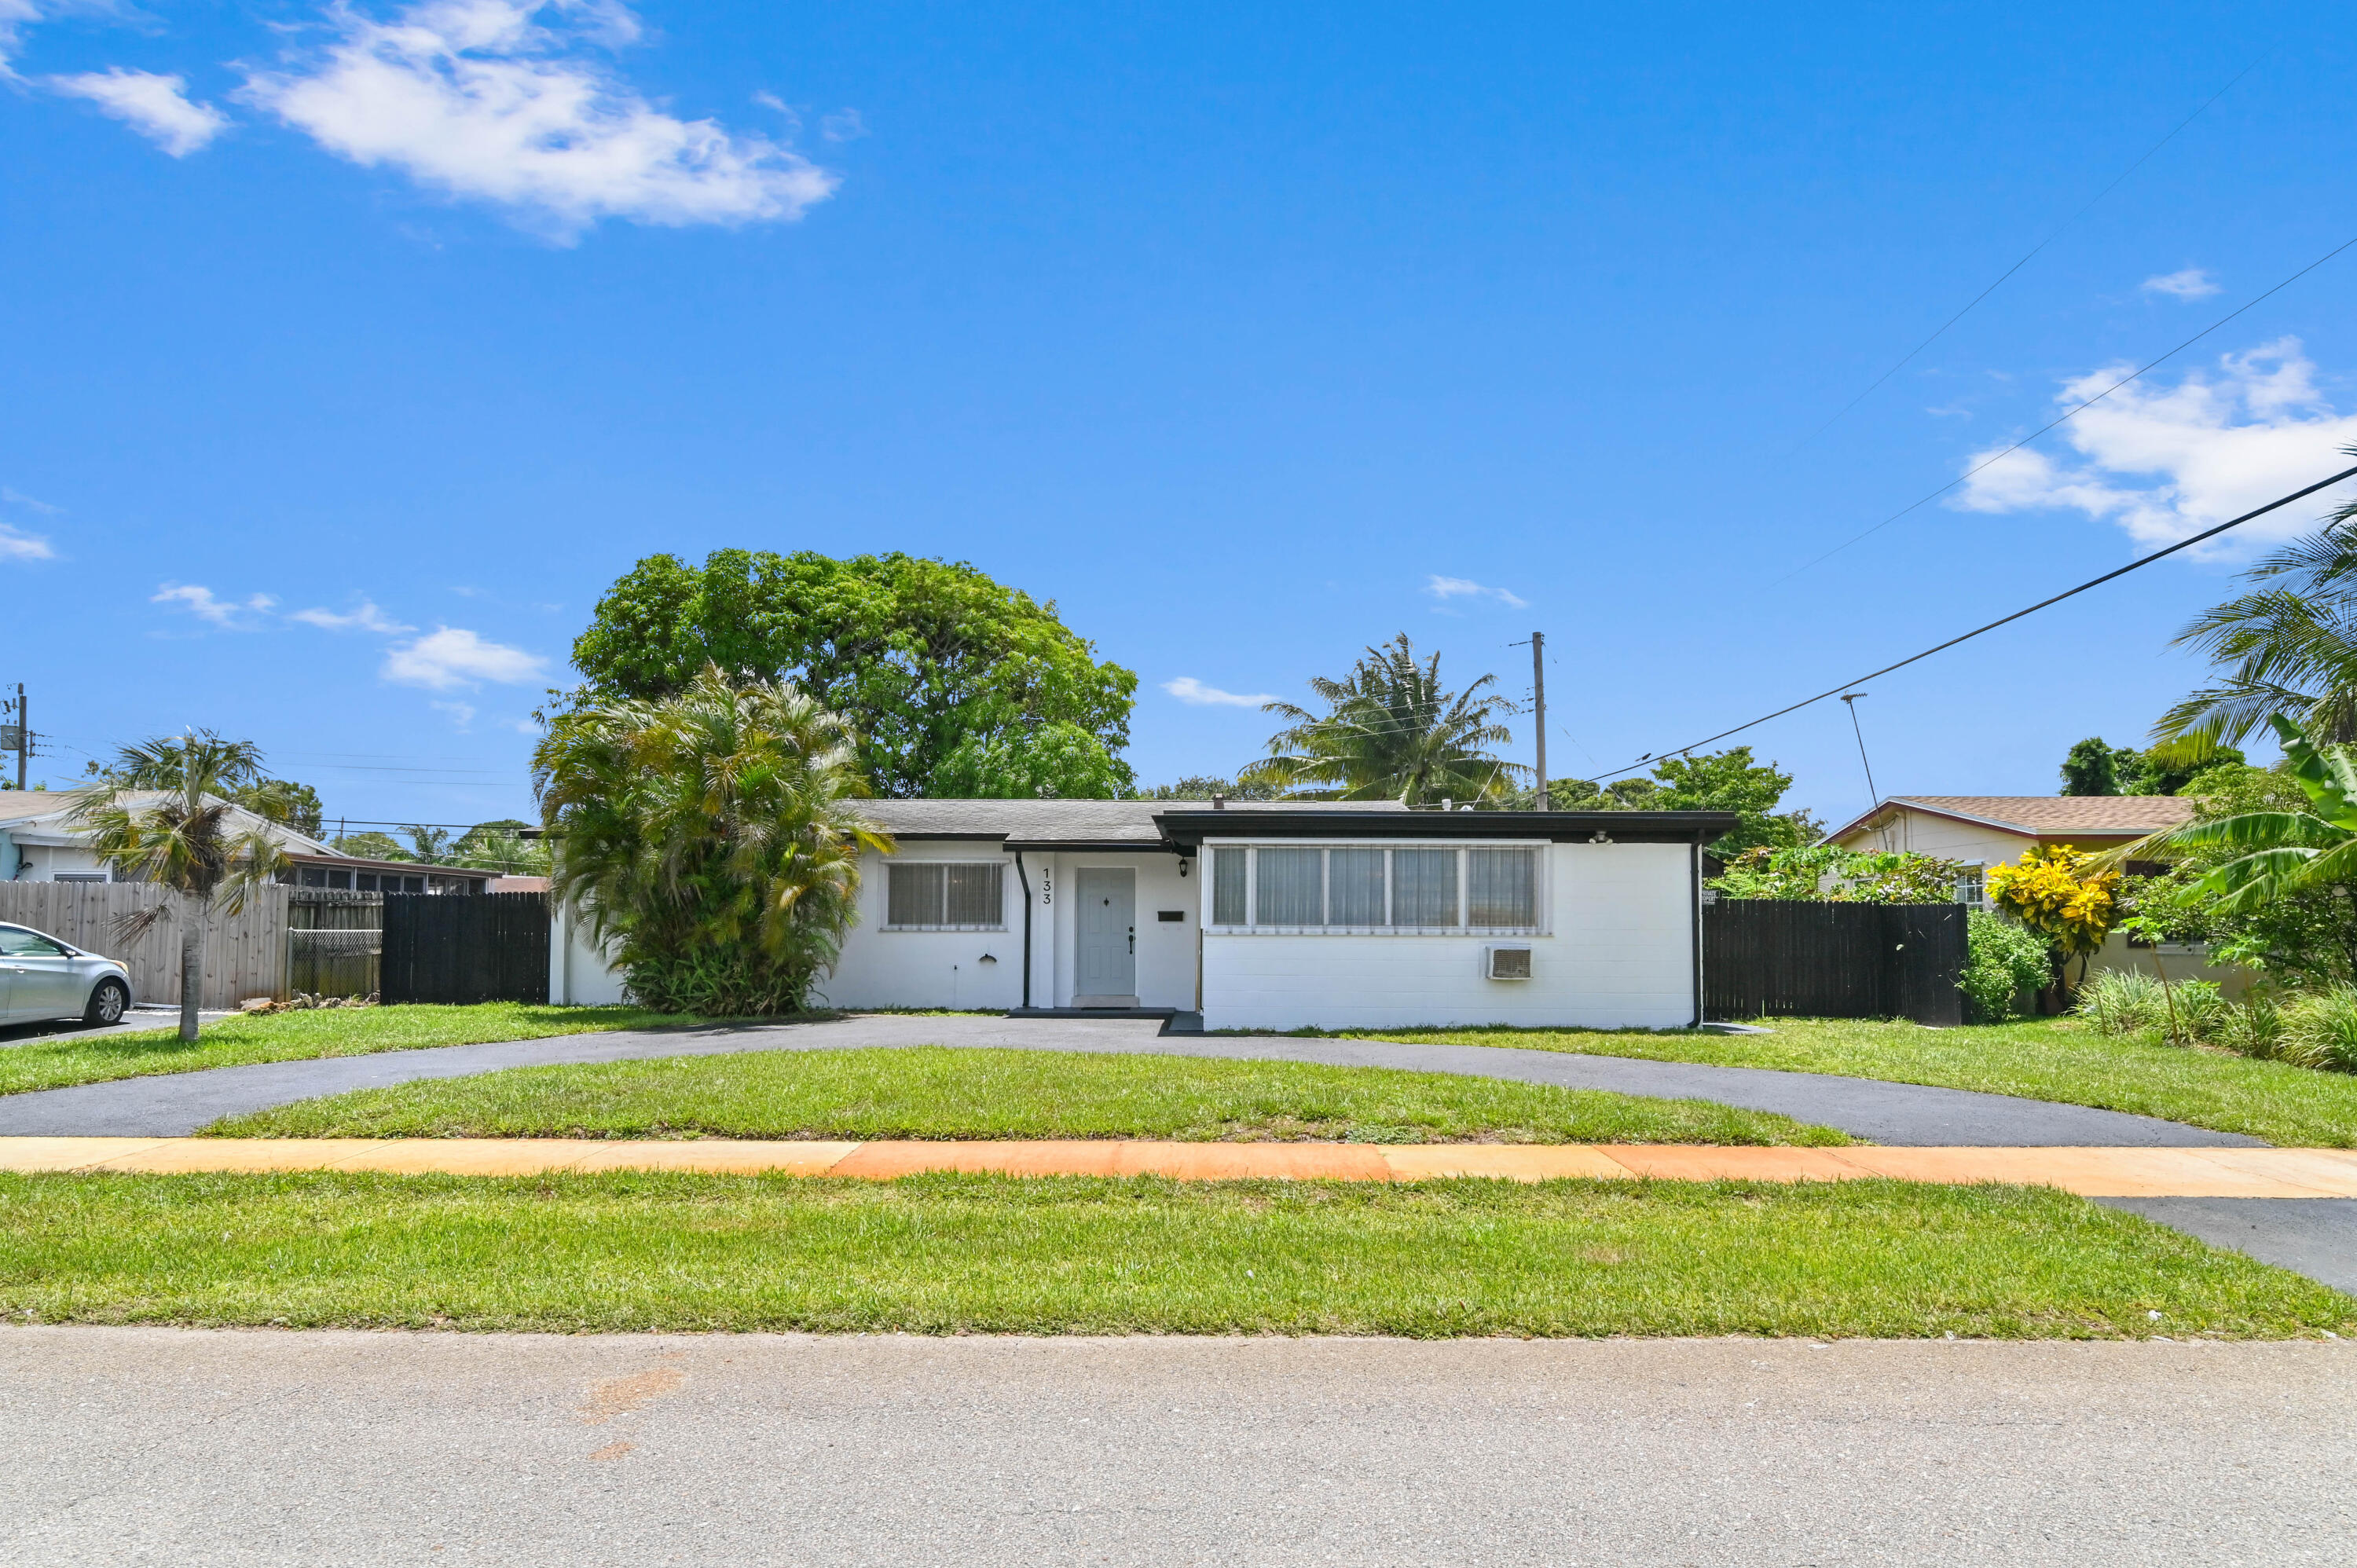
(896, 862)
(1541, 888)
(1976, 876)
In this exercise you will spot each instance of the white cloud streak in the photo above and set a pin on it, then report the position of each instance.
(477, 99)
(366, 617)
(2193, 282)
(201, 602)
(462, 714)
(2164, 463)
(1447, 588)
(448, 658)
(1194, 693)
(16, 546)
(157, 107)
(16, 16)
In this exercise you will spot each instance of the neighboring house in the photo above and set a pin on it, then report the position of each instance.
(39, 842)
(1270, 915)
(1983, 831)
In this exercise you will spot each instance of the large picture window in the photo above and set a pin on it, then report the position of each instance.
(945, 896)
(1373, 887)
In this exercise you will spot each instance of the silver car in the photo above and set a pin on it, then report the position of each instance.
(42, 978)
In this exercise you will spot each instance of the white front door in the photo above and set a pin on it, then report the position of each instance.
(1108, 938)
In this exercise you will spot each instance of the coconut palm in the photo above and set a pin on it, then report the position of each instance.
(162, 818)
(2288, 646)
(1393, 732)
(714, 837)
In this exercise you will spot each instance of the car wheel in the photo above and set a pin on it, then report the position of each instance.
(107, 1002)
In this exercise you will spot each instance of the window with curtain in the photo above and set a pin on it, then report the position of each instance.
(1501, 888)
(1424, 887)
(946, 895)
(1289, 890)
(1229, 887)
(1354, 888)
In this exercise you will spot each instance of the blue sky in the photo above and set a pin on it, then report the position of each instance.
(349, 354)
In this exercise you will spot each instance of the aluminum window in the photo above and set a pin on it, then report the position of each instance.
(945, 896)
(1371, 888)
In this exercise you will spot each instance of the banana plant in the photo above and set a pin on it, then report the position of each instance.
(2283, 851)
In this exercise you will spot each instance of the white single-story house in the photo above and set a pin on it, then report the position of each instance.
(40, 842)
(1983, 831)
(1269, 915)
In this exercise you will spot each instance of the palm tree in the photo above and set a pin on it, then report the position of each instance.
(2275, 853)
(2289, 647)
(713, 835)
(163, 817)
(1392, 732)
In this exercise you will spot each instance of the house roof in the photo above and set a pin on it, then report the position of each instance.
(1180, 825)
(44, 817)
(2045, 816)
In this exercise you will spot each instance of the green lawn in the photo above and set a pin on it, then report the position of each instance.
(56, 1061)
(2046, 1059)
(935, 1092)
(949, 1254)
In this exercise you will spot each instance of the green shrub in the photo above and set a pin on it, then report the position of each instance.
(2122, 1002)
(2319, 1030)
(2003, 960)
(2201, 1009)
(2255, 1028)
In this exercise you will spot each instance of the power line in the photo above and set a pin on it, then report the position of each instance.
(2067, 414)
(2323, 484)
(2053, 235)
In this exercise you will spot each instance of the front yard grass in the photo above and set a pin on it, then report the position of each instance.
(940, 1255)
(935, 1091)
(2044, 1060)
(55, 1062)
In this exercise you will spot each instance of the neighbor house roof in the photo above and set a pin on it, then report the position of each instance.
(1180, 825)
(2045, 816)
(45, 817)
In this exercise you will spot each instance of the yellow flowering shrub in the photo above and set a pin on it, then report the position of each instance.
(2057, 895)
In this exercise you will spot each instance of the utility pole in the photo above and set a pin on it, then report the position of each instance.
(24, 736)
(1538, 705)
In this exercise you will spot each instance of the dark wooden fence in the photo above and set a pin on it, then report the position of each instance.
(491, 947)
(1784, 958)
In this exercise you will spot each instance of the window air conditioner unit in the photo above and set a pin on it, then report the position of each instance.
(1506, 963)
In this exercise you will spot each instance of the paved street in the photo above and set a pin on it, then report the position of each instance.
(134, 1447)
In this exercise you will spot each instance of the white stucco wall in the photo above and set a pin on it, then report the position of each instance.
(927, 969)
(44, 863)
(579, 973)
(1618, 954)
(1166, 951)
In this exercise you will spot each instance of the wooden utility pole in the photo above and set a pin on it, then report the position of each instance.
(1538, 706)
(24, 736)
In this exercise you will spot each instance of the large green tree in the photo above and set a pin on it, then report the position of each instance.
(1392, 731)
(1727, 780)
(713, 836)
(2095, 767)
(952, 683)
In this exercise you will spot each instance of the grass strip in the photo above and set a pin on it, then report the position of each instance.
(942, 1254)
(59, 1061)
(936, 1092)
(2052, 1059)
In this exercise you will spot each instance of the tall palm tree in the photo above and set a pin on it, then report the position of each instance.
(2288, 646)
(163, 817)
(1392, 732)
(714, 836)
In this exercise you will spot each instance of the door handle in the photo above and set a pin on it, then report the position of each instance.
(1133, 938)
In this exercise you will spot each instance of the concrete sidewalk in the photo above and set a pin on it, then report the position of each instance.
(2238, 1173)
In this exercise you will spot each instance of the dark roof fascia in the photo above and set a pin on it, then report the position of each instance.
(1097, 846)
(1190, 828)
(406, 867)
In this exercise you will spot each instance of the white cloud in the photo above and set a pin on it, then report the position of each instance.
(16, 16)
(2164, 463)
(201, 603)
(1447, 588)
(2193, 282)
(844, 125)
(449, 657)
(16, 546)
(157, 107)
(462, 714)
(1193, 692)
(477, 99)
(366, 617)
(17, 498)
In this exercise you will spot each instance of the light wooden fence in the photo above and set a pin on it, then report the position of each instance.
(245, 954)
